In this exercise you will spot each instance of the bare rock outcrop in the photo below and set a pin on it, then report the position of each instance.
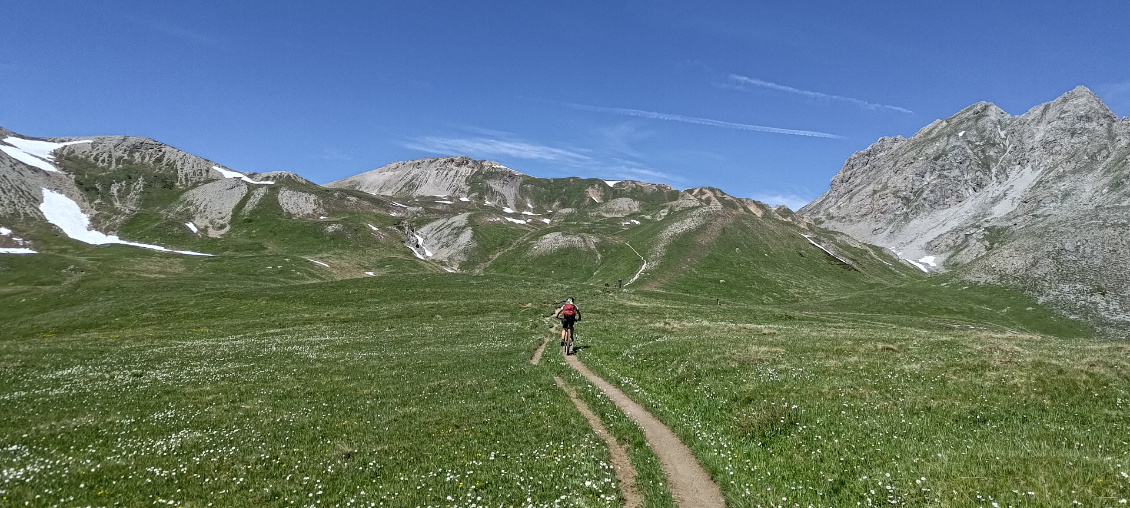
(447, 176)
(1039, 201)
(555, 241)
(210, 206)
(297, 203)
(448, 240)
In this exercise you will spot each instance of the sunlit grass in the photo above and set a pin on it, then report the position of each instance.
(417, 390)
(833, 412)
(380, 402)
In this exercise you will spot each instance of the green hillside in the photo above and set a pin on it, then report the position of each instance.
(191, 380)
(345, 349)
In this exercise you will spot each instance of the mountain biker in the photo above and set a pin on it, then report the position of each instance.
(569, 314)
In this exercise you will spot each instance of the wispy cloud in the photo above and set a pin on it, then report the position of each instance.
(792, 201)
(484, 147)
(652, 115)
(334, 155)
(747, 81)
(630, 170)
(176, 31)
(620, 137)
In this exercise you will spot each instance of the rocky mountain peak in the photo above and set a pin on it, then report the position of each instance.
(277, 176)
(1079, 106)
(1002, 199)
(442, 176)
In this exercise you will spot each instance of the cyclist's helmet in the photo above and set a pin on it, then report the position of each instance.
(569, 300)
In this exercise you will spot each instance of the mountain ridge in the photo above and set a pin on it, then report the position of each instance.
(440, 214)
(1036, 201)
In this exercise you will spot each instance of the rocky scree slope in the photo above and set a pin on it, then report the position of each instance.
(1039, 201)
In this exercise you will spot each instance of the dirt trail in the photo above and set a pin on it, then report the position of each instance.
(688, 482)
(625, 473)
(537, 354)
(642, 268)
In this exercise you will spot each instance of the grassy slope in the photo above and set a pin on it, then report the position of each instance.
(264, 387)
(331, 392)
(835, 408)
(255, 378)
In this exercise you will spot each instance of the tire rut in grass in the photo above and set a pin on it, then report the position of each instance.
(621, 464)
(537, 353)
(689, 483)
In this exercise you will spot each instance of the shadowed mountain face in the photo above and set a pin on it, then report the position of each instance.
(1039, 201)
(444, 214)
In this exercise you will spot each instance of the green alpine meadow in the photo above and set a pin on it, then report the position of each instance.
(177, 333)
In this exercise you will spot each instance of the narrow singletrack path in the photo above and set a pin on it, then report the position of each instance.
(642, 268)
(537, 353)
(690, 484)
(621, 464)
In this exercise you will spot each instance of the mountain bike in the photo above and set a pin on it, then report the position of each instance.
(569, 341)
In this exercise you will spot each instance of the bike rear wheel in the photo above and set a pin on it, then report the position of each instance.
(569, 342)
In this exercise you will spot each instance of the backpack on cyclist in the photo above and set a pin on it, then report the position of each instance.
(568, 310)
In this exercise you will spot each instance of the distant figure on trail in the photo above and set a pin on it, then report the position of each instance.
(569, 314)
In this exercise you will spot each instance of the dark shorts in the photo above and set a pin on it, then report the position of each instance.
(567, 322)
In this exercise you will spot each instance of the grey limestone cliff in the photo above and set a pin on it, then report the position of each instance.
(1039, 201)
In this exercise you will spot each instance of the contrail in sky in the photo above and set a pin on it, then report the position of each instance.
(809, 93)
(488, 146)
(703, 121)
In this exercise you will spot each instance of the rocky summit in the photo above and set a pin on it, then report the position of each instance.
(1039, 201)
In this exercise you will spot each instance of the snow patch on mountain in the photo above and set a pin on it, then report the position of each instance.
(826, 251)
(236, 174)
(65, 214)
(36, 153)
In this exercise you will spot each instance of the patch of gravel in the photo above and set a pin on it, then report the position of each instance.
(684, 202)
(556, 241)
(619, 207)
(253, 200)
(448, 239)
(210, 205)
(299, 204)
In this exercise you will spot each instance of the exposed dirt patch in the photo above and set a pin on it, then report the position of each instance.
(557, 240)
(625, 473)
(537, 353)
(689, 483)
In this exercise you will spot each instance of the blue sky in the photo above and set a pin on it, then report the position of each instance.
(762, 99)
